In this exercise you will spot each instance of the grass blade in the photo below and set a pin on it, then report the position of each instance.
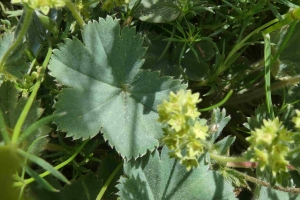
(267, 58)
(39, 179)
(45, 165)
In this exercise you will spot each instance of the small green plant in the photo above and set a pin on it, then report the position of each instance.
(101, 99)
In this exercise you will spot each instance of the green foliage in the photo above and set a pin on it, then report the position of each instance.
(14, 63)
(88, 88)
(84, 188)
(110, 90)
(156, 176)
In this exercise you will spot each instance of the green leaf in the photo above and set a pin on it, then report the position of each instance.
(45, 165)
(41, 181)
(218, 121)
(159, 177)
(11, 107)
(167, 65)
(110, 92)
(236, 179)
(14, 63)
(48, 23)
(195, 71)
(38, 124)
(289, 59)
(223, 145)
(270, 194)
(156, 11)
(256, 120)
(85, 188)
(37, 34)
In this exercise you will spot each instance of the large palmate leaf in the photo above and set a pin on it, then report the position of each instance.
(159, 177)
(108, 91)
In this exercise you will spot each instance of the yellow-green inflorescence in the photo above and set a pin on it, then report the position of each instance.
(183, 132)
(43, 5)
(270, 145)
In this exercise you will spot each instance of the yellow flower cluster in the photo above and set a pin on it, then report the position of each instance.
(43, 5)
(183, 132)
(270, 146)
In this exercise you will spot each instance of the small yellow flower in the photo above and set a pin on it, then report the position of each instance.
(270, 146)
(200, 131)
(184, 134)
(189, 162)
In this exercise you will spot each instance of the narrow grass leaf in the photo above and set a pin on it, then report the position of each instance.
(45, 165)
(39, 179)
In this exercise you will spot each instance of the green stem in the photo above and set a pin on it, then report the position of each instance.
(218, 104)
(103, 189)
(27, 181)
(265, 184)
(24, 113)
(26, 23)
(267, 58)
(226, 159)
(75, 13)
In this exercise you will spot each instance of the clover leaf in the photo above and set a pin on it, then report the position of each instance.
(107, 90)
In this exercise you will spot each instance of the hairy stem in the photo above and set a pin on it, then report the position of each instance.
(249, 165)
(265, 184)
(220, 158)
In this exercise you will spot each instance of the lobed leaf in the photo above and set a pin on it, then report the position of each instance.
(107, 89)
(159, 177)
(218, 120)
(223, 145)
